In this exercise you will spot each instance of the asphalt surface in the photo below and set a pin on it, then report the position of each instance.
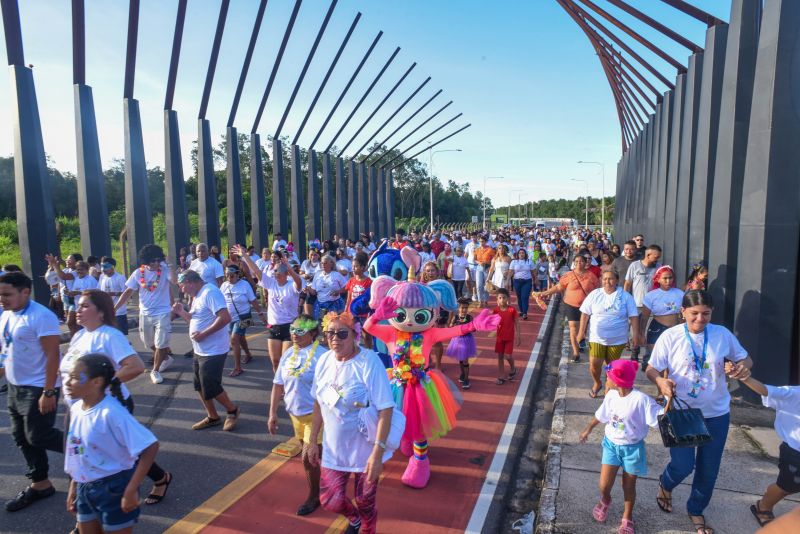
(201, 461)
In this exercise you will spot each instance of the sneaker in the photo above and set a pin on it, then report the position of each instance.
(155, 377)
(461, 378)
(465, 384)
(230, 420)
(474, 298)
(166, 364)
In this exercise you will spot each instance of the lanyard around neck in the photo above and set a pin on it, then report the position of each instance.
(699, 362)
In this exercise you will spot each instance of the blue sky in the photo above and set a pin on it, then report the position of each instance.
(521, 72)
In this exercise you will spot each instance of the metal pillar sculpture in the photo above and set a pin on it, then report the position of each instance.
(373, 226)
(342, 200)
(353, 218)
(35, 219)
(381, 228)
(328, 218)
(313, 207)
(235, 201)
(298, 207)
(389, 201)
(672, 177)
(664, 145)
(363, 200)
(279, 219)
(258, 206)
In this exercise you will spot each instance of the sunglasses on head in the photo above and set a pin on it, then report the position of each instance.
(298, 331)
(341, 334)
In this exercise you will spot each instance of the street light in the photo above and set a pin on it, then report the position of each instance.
(509, 202)
(430, 175)
(586, 224)
(603, 191)
(484, 195)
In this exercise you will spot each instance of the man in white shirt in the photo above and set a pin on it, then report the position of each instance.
(469, 252)
(208, 318)
(279, 241)
(113, 283)
(639, 280)
(152, 280)
(30, 357)
(209, 269)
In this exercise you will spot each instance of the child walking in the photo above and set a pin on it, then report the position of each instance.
(627, 414)
(508, 335)
(786, 402)
(462, 348)
(103, 447)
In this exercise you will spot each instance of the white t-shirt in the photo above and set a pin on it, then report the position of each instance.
(361, 379)
(297, 389)
(66, 285)
(627, 418)
(425, 257)
(104, 340)
(661, 302)
(460, 266)
(282, 300)
(155, 302)
(469, 251)
(609, 323)
(641, 279)
(51, 277)
(521, 269)
(103, 440)
(707, 389)
(210, 270)
(205, 306)
(114, 284)
(25, 359)
(786, 402)
(324, 283)
(278, 243)
(82, 284)
(238, 297)
(263, 264)
(310, 268)
(344, 266)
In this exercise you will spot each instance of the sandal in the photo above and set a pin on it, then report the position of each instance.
(626, 527)
(758, 513)
(206, 422)
(593, 392)
(576, 358)
(247, 359)
(600, 510)
(236, 372)
(500, 381)
(512, 374)
(664, 502)
(165, 482)
(700, 527)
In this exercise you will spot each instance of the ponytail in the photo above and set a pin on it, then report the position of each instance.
(100, 365)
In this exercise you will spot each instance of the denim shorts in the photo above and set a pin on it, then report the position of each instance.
(632, 458)
(101, 500)
(236, 326)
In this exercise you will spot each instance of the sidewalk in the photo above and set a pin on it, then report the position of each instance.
(748, 467)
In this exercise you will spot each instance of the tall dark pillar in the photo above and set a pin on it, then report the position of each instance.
(736, 100)
(298, 205)
(314, 211)
(652, 180)
(258, 199)
(35, 219)
(373, 200)
(235, 201)
(138, 217)
(279, 223)
(664, 144)
(352, 202)
(769, 230)
(328, 219)
(390, 202)
(380, 233)
(672, 176)
(363, 199)
(175, 214)
(92, 209)
(342, 217)
(207, 208)
(706, 152)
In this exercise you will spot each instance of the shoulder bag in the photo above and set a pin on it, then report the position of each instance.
(682, 426)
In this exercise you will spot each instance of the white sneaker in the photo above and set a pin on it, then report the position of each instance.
(166, 364)
(474, 298)
(155, 377)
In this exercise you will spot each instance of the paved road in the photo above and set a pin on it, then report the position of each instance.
(203, 461)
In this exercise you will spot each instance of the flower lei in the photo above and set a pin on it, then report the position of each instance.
(297, 370)
(149, 286)
(409, 362)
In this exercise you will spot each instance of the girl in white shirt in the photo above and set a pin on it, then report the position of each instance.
(239, 299)
(663, 304)
(107, 452)
(627, 413)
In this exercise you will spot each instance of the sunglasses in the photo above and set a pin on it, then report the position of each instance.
(298, 331)
(341, 334)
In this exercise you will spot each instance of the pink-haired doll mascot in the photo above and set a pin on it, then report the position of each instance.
(425, 395)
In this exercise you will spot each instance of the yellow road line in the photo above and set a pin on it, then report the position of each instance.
(204, 514)
(338, 525)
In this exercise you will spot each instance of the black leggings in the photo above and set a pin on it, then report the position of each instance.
(458, 285)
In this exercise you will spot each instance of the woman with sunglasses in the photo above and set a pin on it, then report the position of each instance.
(240, 301)
(349, 378)
(293, 381)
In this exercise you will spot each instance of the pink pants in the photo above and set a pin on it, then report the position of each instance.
(333, 496)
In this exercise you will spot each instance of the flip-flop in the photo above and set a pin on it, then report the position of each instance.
(500, 381)
(593, 392)
(758, 514)
(663, 502)
(512, 374)
(236, 372)
(247, 359)
(575, 358)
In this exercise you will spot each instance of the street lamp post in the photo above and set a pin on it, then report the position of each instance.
(430, 175)
(484, 195)
(509, 202)
(603, 192)
(586, 222)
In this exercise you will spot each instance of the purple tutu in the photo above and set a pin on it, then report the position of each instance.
(462, 348)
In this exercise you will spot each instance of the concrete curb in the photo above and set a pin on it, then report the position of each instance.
(546, 516)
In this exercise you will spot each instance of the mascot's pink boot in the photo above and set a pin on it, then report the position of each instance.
(417, 473)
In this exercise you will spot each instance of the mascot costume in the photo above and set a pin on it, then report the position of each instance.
(427, 397)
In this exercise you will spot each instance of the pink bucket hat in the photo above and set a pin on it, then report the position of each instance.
(622, 373)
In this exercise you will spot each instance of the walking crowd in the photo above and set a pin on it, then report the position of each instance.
(357, 332)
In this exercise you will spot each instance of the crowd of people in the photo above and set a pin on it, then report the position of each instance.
(357, 331)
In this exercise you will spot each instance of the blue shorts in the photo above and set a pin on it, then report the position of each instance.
(101, 500)
(236, 326)
(632, 458)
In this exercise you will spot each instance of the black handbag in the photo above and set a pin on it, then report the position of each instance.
(682, 426)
